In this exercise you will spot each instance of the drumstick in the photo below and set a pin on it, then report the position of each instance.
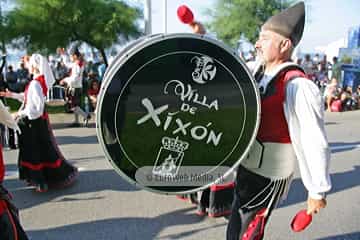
(185, 15)
(300, 221)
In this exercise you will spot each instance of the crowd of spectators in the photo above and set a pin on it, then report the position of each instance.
(326, 75)
(15, 80)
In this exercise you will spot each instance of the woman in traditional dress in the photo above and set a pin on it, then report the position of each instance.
(40, 161)
(74, 86)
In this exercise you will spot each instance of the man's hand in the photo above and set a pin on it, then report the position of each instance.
(314, 205)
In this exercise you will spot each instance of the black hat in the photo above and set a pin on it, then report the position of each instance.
(288, 23)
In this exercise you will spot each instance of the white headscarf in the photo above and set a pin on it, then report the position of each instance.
(40, 62)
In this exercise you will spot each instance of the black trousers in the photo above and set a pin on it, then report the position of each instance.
(248, 186)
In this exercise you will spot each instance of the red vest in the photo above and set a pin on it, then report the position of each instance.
(273, 126)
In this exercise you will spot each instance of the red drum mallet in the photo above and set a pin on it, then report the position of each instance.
(301, 220)
(185, 14)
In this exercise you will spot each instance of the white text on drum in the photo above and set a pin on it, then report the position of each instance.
(197, 132)
(186, 93)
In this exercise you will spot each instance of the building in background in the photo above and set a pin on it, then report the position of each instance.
(350, 58)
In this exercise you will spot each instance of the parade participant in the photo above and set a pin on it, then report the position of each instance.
(214, 201)
(291, 127)
(74, 84)
(40, 161)
(10, 227)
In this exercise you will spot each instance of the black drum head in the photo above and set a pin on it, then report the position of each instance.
(177, 113)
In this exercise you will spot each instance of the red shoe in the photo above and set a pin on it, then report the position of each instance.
(255, 230)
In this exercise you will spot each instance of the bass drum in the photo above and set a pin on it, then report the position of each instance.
(177, 113)
(122, 54)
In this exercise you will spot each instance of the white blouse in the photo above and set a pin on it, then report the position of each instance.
(35, 102)
(75, 78)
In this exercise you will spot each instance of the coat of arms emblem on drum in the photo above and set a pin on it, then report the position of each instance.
(169, 157)
(205, 69)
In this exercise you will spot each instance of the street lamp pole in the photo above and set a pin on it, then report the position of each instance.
(165, 16)
(147, 17)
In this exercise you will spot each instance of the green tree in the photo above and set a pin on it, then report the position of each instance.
(5, 28)
(231, 18)
(3, 35)
(47, 24)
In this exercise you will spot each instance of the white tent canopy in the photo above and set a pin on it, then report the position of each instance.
(332, 49)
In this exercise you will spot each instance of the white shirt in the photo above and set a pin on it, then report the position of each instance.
(75, 78)
(304, 112)
(35, 102)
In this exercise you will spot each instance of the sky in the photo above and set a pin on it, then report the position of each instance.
(326, 20)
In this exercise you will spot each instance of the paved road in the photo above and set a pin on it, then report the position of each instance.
(102, 206)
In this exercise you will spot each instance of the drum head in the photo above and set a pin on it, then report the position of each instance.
(177, 113)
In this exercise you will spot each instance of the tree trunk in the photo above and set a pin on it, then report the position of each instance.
(102, 52)
(3, 46)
